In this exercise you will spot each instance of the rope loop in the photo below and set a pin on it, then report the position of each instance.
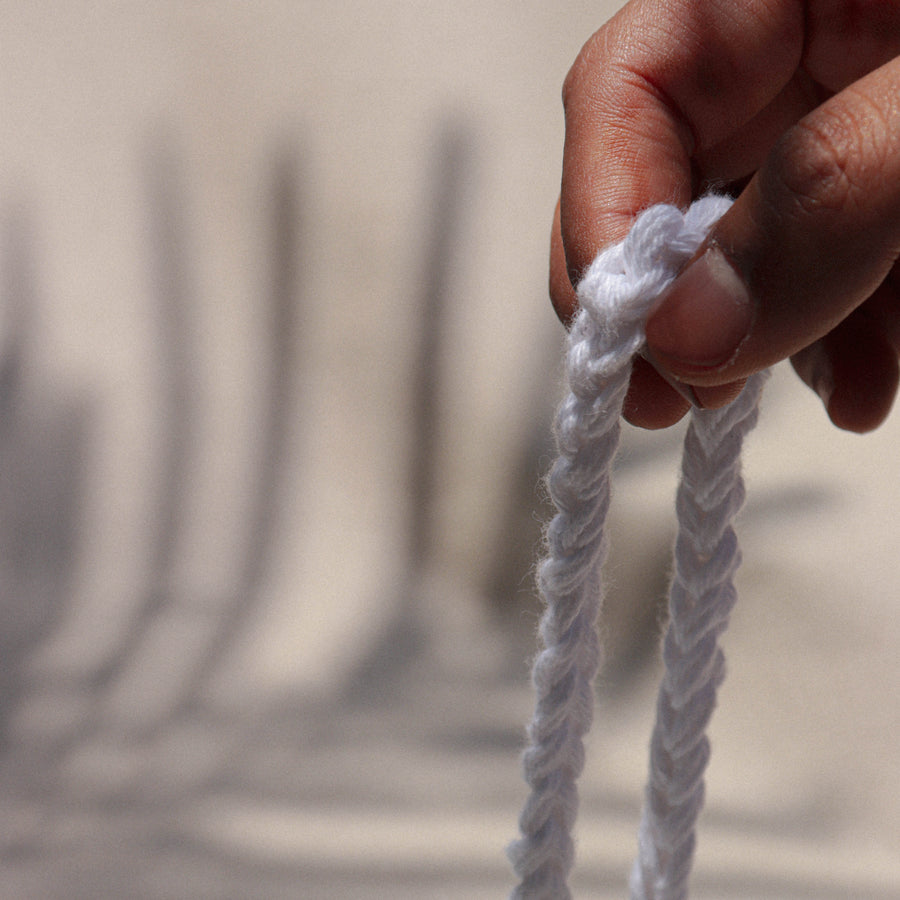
(615, 296)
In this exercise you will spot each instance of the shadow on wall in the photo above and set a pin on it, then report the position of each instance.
(44, 444)
(136, 731)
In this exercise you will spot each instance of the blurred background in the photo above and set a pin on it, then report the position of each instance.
(277, 369)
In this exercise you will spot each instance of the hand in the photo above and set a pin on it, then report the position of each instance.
(796, 105)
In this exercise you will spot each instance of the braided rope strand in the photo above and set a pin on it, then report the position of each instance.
(701, 598)
(615, 297)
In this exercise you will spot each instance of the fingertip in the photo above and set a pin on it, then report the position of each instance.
(855, 372)
(650, 402)
(863, 397)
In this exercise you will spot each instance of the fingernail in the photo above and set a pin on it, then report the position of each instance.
(703, 317)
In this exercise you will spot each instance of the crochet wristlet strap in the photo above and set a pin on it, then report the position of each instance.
(615, 298)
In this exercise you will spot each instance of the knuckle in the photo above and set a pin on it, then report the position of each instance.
(569, 86)
(574, 80)
(817, 167)
(831, 161)
(588, 68)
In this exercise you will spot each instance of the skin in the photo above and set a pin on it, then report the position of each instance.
(793, 107)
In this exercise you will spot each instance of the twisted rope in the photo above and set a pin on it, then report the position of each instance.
(615, 297)
(701, 598)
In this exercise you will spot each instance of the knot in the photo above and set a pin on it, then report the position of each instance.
(624, 281)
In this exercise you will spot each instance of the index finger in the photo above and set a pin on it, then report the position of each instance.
(655, 87)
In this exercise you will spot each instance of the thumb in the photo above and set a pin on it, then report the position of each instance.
(813, 235)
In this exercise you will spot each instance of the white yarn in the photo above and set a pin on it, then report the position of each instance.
(701, 598)
(615, 297)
